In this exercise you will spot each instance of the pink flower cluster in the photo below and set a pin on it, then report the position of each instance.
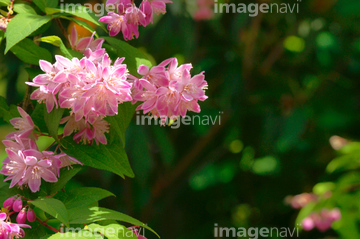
(10, 230)
(301, 200)
(129, 17)
(322, 220)
(15, 204)
(84, 43)
(92, 88)
(25, 164)
(169, 90)
(205, 10)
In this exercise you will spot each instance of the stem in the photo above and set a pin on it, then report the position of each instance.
(50, 146)
(10, 9)
(47, 226)
(63, 30)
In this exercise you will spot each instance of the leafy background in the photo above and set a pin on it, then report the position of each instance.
(284, 84)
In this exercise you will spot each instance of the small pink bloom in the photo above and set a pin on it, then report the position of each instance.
(21, 217)
(116, 23)
(14, 167)
(37, 169)
(100, 127)
(24, 124)
(8, 204)
(308, 224)
(30, 215)
(17, 206)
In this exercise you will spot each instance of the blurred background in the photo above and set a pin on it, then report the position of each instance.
(283, 84)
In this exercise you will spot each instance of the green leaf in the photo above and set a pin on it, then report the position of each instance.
(24, 8)
(4, 2)
(65, 176)
(56, 41)
(29, 52)
(121, 121)
(38, 117)
(133, 57)
(75, 233)
(53, 207)
(43, 4)
(97, 214)
(2, 36)
(82, 197)
(112, 231)
(4, 108)
(82, 12)
(111, 157)
(52, 121)
(21, 26)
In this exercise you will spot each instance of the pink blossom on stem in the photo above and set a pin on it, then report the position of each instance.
(30, 215)
(168, 90)
(24, 124)
(21, 217)
(17, 206)
(129, 16)
(84, 43)
(321, 220)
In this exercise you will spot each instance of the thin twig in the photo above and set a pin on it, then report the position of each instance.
(47, 226)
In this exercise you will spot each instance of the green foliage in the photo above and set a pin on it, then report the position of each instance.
(56, 41)
(111, 157)
(133, 57)
(29, 52)
(53, 207)
(24, 8)
(43, 4)
(97, 214)
(65, 176)
(121, 121)
(21, 26)
(83, 197)
(52, 121)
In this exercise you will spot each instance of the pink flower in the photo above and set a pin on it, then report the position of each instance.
(129, 16)
(24, 124)
(5, 228)
(116, 23)
(159, 6)
(8, 204)
(30, 215)
(322, 221)
(204, 13)
(301, 200)
(14, 166)
(82, 44)
(17, 206)
(168, 90)
(21, 217)
(100, 127)
(4, 23)
(10, 230)
(38, 168)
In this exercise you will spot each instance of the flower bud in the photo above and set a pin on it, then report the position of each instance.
(335, 214)
(17, 206)
(31, 216)
(21, 217)
(8, 204)
(308, 224)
